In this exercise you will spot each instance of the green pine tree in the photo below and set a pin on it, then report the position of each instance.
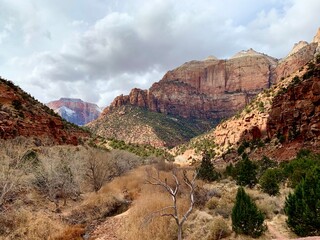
(303, 206)
(206, 169)
(246, 217)
(269, 181)
(246, 172)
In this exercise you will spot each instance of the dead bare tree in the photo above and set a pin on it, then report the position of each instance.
(173, 191)
(7, 184)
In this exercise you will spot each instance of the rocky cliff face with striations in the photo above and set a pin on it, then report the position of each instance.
(216, 89)
(295, 114)
(22, 115)
(287, 114)
(75, 110)
(209, 89)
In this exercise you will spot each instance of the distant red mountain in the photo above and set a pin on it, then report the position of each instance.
(22, 115)
(75, 110)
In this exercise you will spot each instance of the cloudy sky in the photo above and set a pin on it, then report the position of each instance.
(98, 49)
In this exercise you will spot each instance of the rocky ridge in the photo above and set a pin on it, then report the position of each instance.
(75, 110)
(286, 116)
(215, 89)
(288, 110)
(206, 89)
(22, 115)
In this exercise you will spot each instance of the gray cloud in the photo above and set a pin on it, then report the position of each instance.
(130, 43)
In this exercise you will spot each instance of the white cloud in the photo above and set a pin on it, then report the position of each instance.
(71, 53)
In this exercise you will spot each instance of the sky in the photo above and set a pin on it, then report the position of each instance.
(98, 49)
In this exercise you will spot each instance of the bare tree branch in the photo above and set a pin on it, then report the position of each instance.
(173, 191)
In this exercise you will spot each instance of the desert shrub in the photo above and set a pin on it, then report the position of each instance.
(243, 147)
(269, 181)
(297, 169)
(245, 172)
(212, 203)
(219, 229)
(57, 182)
(303, 206)
(98, 169)
(296, 80)
(230, 171)
(206, 169)
(270, 206)
(246, 217)
(264, 164)
(17, 104)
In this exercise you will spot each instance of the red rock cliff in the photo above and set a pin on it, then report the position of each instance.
(75, 110)
(21, 115)
(206, 89)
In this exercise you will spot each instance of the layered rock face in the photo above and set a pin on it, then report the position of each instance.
(215, 89)
(21, 115)
(209, 89)
(75, 110)
(296, 113)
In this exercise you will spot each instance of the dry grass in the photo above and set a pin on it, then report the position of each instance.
(219, 229)
(28, 225)
(145, 220)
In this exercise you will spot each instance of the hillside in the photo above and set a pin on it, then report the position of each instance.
(75, 110)
(22, 115)
(209, 90)
(277, 123)
(138, 125)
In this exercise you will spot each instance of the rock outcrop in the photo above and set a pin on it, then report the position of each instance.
(22, 115)
(217, 89)
(75, 110)
(295, 114)
(209, 89)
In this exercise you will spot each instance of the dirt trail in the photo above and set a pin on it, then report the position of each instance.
(276, 234)
(109, 228)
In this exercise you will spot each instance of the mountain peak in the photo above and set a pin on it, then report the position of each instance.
(245, 53)
(297, 46)
(70, 100)
(211, 58)
(75, 110)
(316, 38)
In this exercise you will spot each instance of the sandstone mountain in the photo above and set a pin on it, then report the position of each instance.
(75, 110)
(22, 115)
(282, 119)
(213, 89)
(209, 89)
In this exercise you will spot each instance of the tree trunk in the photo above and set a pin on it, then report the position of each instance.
(179, 232)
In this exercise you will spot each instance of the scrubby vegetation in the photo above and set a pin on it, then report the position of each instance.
(64, 192)
(206, 169)
(246, 217)
(140, 150)
(303, 206)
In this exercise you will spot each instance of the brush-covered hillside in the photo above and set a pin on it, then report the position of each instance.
(22, 115)
(134, 124)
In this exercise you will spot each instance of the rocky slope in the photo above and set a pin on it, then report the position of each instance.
(138, 125)
(75, 110)
(287, 114)
(22, 115)
(213, 88)
(280, 121)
